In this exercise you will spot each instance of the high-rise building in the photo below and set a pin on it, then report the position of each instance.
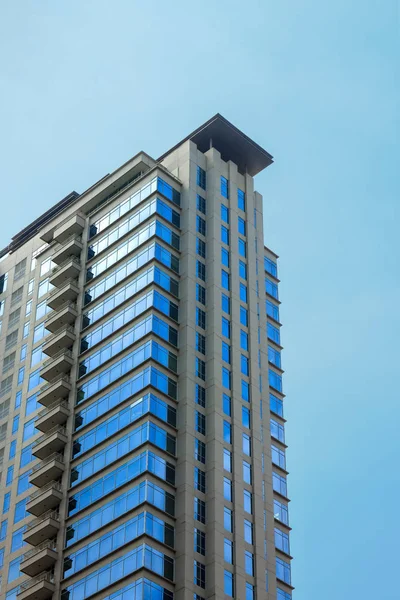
(142, 439)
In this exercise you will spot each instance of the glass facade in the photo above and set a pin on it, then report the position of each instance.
(154, 353)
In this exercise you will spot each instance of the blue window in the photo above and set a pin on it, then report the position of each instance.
(22, 355)
(242, 248)
(226, 304)
(249, 563)
(200, 368)
(201, 178)
(3, 530)
(248, 501)
(243, 292)
(226, 378)
(241, 200)
(201, 204)
(25, 331)
(273, 333)
(246, 444)
(199, 577)
(21, 374)
(23, 483)
(18, 398)
(270, 267)
(228, 551)
(249, 591)
(200, 293)
(6, 502)
(245, 390)
(200, 225)
(271, 288)
(200, 395)
(226, 404)
(225, 257)
(244, 365)
(226, 352)
(26, 456)
(272, 310)
(243, 316)
(241, 226)
(228, 584)
(38, 333)
(224, 187)
(17, 539)
(244, 340)
(1, 558)
(29, 430)
(15, 424)
(13, 569)
(201, 270)
(225, 235)
(228, 519)
(227, 432)
(242, 270)
(13, 447)
(274, 357)
(283, 570)
(34, 379)
(245, 417)
(277, 430)
(10, 475)
(247, 478)
(227, 489)
(20, 511)
(276, 405)
(199, 480)
(275, 380)
(226, 327)
(224, 213)
(37, 356)
(31, 404)
(225, 280)
(248, 531)
(281, 595)
(200, 248)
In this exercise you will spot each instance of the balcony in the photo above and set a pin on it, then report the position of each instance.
(54, 390)
(48, 470)
(57, 365)
(55, 414)
(40, 588)
(72, 226)
(51, 442)
(64, 338)
(44, 499)
(39, 559)
(67, 293)
(43, 528)
(69, 269)
(72, 246)
(65, 314)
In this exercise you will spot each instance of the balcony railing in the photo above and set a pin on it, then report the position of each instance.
(65, 304)
(28, 583)
(52, 485)
(50, 514)
(42, 438)
(48, 409)
(43, 546)
(45, 461)
(66, 262)
(53, 381)
(69, 239)
(57, 291)
(63, 352)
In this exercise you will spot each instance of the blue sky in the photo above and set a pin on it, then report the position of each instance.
(86, 84)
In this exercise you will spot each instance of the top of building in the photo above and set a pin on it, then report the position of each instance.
(217, 133)
(232, 143)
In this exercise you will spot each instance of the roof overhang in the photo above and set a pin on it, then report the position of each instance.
(232, 143)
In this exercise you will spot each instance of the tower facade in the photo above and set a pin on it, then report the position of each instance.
(142, 441)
